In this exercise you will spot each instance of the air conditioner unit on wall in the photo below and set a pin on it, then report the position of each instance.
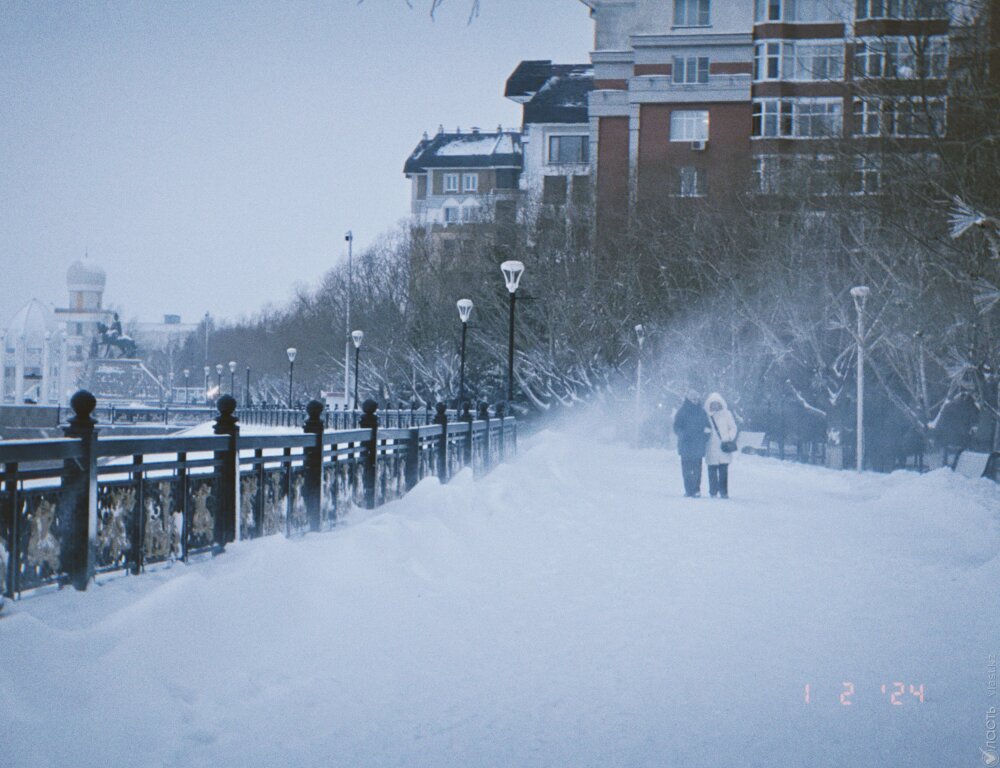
(699, 146)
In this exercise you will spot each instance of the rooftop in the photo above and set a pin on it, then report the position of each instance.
(551, 93)
(500, 149)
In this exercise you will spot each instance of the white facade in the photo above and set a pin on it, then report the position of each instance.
(33, 357)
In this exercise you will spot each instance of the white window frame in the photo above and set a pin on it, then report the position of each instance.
(789, 11)
(689, 125)
(899, 58)
(451, 214)
(786, 60)
(866, 177)
(900, 117)
(691, 70)
(900, 9)
(768, 60)
(451, 182)
(470, 182)
(797, 118)
(692, 13)
(691, 181)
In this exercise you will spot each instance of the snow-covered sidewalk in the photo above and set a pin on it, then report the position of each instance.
(571, 609)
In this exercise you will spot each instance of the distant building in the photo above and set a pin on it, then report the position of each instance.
(169, 334)
(33, 357)
(555, 138)
(85, 281)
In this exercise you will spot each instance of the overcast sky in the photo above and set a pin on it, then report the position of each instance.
(211, 155)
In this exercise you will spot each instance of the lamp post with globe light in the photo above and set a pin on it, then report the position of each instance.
(187, 392)
(860, 294)
(232, 378)
(356, 337)
(512, 271)
(218, 377)
(464, 311)
(291, 352)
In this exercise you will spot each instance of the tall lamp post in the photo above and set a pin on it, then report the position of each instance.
(291, 351)
(246, 394)
(349, 237)
(187, 392)
(207, 373)
(512, 271)
(356, 337)
(640, 335)
(218, 377)
(232, 378)
(860, 294)
(464, 311)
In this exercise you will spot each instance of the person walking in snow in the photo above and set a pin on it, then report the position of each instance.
(721, 445)
(692, 428)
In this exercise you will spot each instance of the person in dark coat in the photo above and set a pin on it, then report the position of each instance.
(692, 428)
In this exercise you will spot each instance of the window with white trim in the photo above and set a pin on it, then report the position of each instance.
(569, 150)
(805, 118)
(470, 213)
(900, 116)
(452, 214)
(451, 182)
(866, 176)
(689, 125)
(691, 13)
(901, 9)
(802, 60)
(690, 69)
(795, 10)
(691, 181)
(470, 182)
(901, 57)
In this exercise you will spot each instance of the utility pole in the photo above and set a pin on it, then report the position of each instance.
(349, 237)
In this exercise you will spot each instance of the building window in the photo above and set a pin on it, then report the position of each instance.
(866, 178)
(470, 182)
(452, 214)
(901, 57)
(581, 190)
(451, 182)
(691, 13)
(689, 125)
(902, 9)
(566, 150)
(421, 187)
(691, 182)
(690, 69)
(554, 190)
(900, 117)
(800, 60)
(797, 118)
(470, 213)
(794, 10)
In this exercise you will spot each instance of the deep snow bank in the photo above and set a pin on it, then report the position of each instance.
(571, 609)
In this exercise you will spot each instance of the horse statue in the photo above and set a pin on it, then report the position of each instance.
(111, 337)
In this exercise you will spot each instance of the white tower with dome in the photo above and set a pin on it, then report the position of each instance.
(85, 281)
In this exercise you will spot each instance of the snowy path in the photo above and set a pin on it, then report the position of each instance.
(569, 610)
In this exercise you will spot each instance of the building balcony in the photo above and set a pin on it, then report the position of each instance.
(661, 89)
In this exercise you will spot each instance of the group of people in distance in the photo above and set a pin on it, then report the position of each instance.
(707, 432)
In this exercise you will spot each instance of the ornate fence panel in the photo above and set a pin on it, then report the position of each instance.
(84, 505)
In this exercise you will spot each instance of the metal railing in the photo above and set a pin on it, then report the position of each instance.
(77, 506)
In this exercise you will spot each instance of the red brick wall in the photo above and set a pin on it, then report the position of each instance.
(612, 172)
(726, 160)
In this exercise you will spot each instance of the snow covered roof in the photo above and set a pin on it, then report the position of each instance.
(551, 93)
(501, 149)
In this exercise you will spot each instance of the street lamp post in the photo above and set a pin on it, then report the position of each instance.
(291, 351)
(349, 237)
(187, 392)
(207, 373)
(232, 378)
(356, 337)
(512, 271)
(218, 377)
(246, 394)
(640, 335)
(860, 294)
(464, 311)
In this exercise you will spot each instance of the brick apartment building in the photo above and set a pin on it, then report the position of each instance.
(698, 98)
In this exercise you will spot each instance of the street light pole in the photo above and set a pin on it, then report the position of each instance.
(356, 337)
(512, 271)
(207, 373)
(464, 311)
(291, 351)
(232, 378)
(860, 294)
(246, 394)
(187, 392)
(349, 237)
(218, 377)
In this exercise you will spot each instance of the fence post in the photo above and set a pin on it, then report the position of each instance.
(411, 470)
(467, 418)
(502, 450)
(226, 423)
(313, 462)
(79, 497)
(369, 469)
(441, 418)
(484, 415)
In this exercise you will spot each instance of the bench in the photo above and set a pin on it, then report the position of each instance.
(753, 442)
(976, 464)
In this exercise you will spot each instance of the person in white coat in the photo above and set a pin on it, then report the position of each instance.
(721, 444)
